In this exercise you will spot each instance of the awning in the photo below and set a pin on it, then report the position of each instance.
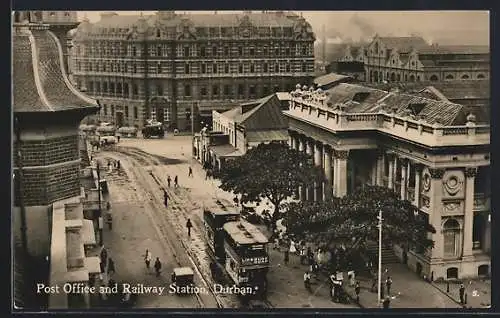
(266, 136)
(92, 264)
(87, 232)
(222, 150)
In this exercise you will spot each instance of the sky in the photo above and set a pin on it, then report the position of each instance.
(432, 25)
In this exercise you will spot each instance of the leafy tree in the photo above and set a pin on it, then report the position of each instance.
(352, 221)
(272, 171)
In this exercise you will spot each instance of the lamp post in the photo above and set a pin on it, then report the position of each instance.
(100, 220)
(379, 289)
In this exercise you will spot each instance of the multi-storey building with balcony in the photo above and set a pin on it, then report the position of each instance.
(172, 66)
(411, 59)
(434, 153)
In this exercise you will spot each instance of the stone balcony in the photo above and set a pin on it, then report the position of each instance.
(318, 114)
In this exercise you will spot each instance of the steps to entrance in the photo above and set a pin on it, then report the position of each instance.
(388, 255)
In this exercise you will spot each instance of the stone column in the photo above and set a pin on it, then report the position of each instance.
(470, 174)
(290, 140)
(418, 173)
(318, 161)
(341, 172)
(435, 208)
(390, 176)
(374, 173)
(404, 176)
(328, 172)
(295, 142)
(301, 148)
(380, 169)
(310, 151)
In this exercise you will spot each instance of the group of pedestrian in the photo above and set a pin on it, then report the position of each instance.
(113, 164)
(157, 264)
(176, 181)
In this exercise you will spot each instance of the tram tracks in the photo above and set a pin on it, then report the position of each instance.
(170, 220)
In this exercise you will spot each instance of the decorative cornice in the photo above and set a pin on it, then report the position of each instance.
(436, 173)
(341, 154)
(470, 172)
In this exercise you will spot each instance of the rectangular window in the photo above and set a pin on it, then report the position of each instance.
(136, 112)
(215, 90)
(252, 90)
(159, 90)
(126, 111)
(187, 90)
(252, 68)
(265, 90)
(240, 89)
(105, 109)
(112, 110)
(226, 68)
(227, 90)
(240, 68)
(203, 91)
(203, 52)
(186, 51)
(203, 68)
(266, 68)
(214, 67)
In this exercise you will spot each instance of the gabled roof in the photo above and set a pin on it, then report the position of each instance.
(404, 44)
(39, 79)
(261, 114)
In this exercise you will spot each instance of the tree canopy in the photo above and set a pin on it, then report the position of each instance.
(353, 219)
(273, 171)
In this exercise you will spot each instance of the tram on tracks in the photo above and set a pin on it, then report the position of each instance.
(237, 249)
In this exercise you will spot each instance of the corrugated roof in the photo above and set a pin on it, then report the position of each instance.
(43, 87)
(266, 115)
(267, 135)
(455, 49)
(434, 111)
(330, 78)
(404, 44)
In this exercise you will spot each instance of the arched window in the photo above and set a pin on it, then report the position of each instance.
(412, 78)
(465, 76)
(418, 78)
(449, 77)
(433, 78)
(158, 33)
(480, 76)
(451, 237)
(398, 77)
(393, 77)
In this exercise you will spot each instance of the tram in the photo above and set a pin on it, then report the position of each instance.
(238, 249)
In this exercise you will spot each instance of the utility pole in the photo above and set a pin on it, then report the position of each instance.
(100, 220)
(145, 54)
(324, 48)
(379, 285)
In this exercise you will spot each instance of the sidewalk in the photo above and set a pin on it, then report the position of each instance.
(478, 292)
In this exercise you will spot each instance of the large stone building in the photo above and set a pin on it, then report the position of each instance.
(411, 59)
(50, 233)
(196, 63)
(435, 153)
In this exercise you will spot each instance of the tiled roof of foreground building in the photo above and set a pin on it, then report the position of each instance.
(39, 80)
(365, 100)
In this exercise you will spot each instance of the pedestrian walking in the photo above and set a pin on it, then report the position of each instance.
(190, 174)
(357, 290)
(169, 180)
(176, 181)
(165, 198)
(307, 281)
(104, 257)
(157, 266)
(147, 258)
(189, 226)
(461, 292)
(287, 257)
(388, 284)
(111, 266)
(117, 138)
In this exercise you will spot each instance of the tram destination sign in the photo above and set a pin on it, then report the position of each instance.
(258, 260)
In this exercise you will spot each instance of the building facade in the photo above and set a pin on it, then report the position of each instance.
(433, 153)
(46, 157)
(412, 59)
(174, 66)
